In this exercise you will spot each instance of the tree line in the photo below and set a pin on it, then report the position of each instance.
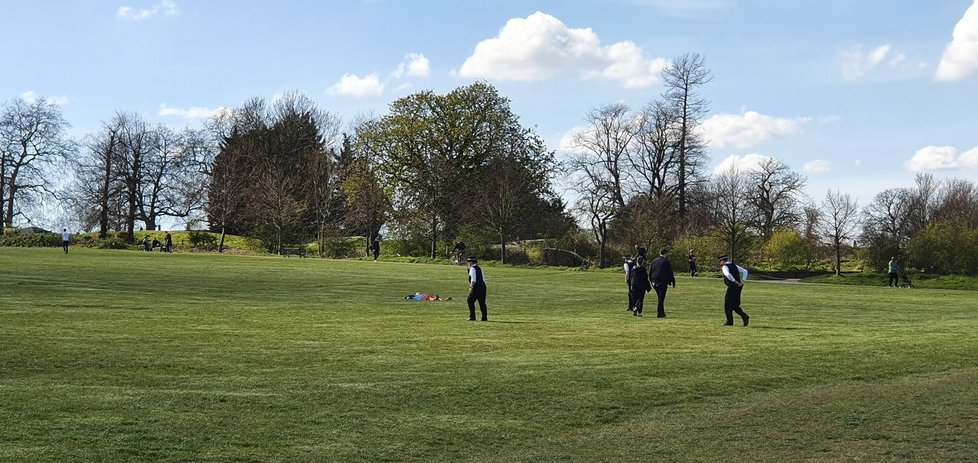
(438, 168)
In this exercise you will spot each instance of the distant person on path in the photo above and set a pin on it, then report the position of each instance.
(733, 276)
(661, 276)
(477, 289)
(167, 242)
(458, 251)
(894, 268)
(65, 239)
(629, 265)
(639, 285)
(375, 247)
(693, 270)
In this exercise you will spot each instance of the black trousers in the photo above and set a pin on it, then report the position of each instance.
(478, 293)
(631, 298)
(65, 244)
(660, 292)
(692, 270)
(731, 303)
(894, 279)
(638, 299)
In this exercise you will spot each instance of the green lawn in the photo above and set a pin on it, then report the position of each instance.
(128, 356)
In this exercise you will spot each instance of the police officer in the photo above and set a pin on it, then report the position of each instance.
(639, 285)
(477, 288)
(733, 276)
(629, 265)
(660, 273)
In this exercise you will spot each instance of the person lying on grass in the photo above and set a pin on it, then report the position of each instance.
(426, 297)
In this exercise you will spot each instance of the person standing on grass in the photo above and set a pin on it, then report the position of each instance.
(375, 247)
(477, 289)
(639, 285)
(733, 276)
(167, 242)
(65, 239)
(629, 265)
(660, 273)
(692, 264)
(894, 268)
(639, 252)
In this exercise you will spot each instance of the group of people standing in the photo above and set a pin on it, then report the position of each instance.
(658, 275)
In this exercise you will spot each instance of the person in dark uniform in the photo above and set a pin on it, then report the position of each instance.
(375, 247)
(639, 285)
(629, 264)
(167, 242)
(693, 270)
(477, 289)
(661, 276)
(733, 276)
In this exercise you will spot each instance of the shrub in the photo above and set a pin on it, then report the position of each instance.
(203, 241)
(786, 250)
(30, 240)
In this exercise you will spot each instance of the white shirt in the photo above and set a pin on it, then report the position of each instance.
(472, 275)
(727, 275)
(66, 236)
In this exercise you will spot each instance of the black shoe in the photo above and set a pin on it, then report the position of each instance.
(485, 319)
(471, 319)
(728, 324)
(746, 319)
(661, 315)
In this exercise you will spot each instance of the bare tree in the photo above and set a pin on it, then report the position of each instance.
(683, 81)
(958, 201)
(729, 214)
(774, 195)
(33, 143)
(654, 159)
(841, 214)
(602, 149)
(597, 206)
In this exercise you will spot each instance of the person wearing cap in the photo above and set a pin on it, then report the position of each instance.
(693, 270)
(733, 276)
(477, 288)
(661, 276)
(629, 265)
(639, 285)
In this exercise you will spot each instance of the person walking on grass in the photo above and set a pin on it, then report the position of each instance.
(65, 239)
(477, 289)
(894, 268)
(733, 276)
(661, 276)
(167, 242)
(639, 285)
(693, 270)
(375, 247)
(629, 265)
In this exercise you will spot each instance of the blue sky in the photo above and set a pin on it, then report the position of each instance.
(857, 94)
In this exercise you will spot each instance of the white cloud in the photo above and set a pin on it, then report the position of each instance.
(932, 158)
(541, 47)
(414, 65)
(166, 8)
(817, 166)
(353, 85)
(960, 59)
(568, 141)
(854, 63)
(857, 163)
(747, 129)
(745, 163)
(193, 112)
(31, 97)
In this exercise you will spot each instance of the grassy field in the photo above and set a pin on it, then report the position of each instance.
(127, 356)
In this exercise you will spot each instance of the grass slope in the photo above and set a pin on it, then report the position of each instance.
(127, 356)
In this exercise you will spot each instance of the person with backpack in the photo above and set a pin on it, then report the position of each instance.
(733, 276)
